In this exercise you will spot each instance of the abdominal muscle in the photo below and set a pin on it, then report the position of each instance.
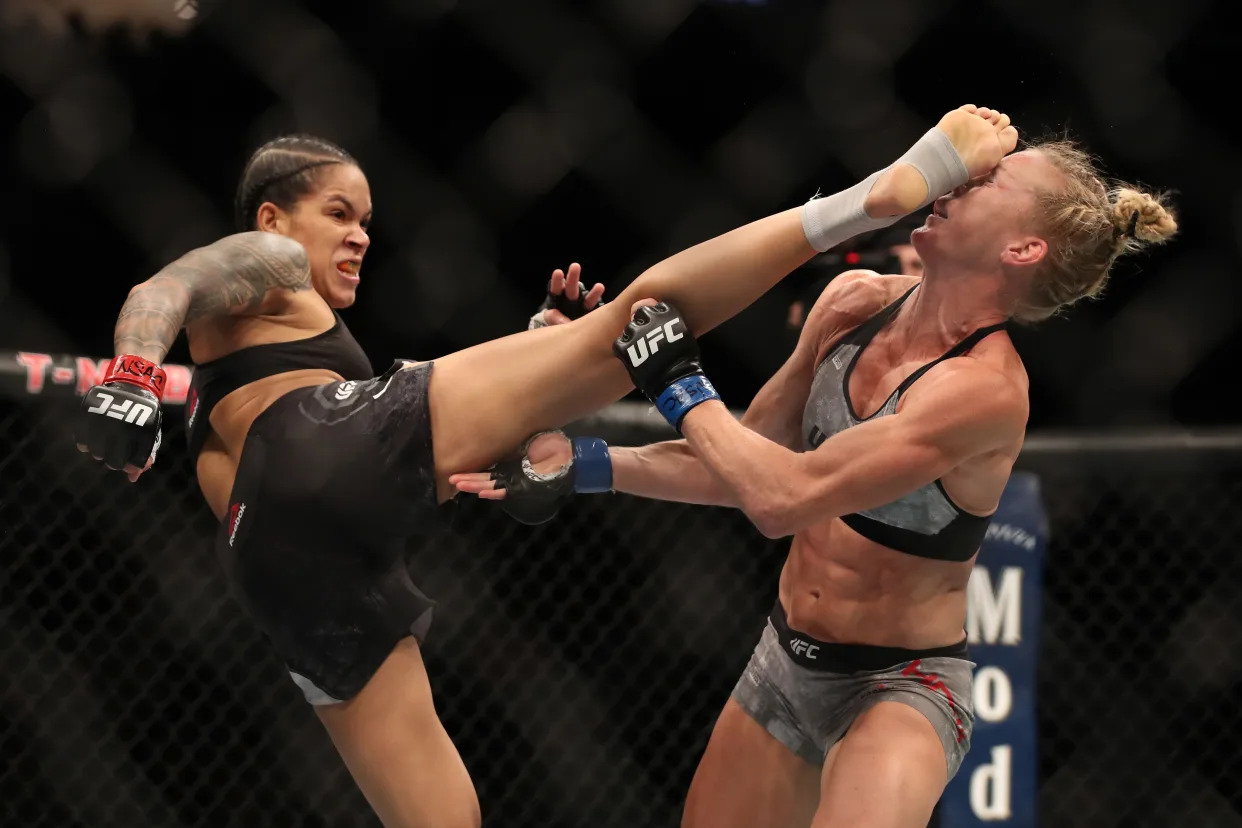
(838, 586)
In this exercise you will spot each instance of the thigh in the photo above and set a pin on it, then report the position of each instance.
(748, 779)
(888, 772)
(398, 752)
(486, 400)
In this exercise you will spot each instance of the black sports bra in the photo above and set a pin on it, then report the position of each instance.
(335, 350)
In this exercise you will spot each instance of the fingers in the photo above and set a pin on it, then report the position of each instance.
(470, 477)
(568, 283)
(479, 483)
(642, 303)
(594, 296)
(554, 317)
(573, 281)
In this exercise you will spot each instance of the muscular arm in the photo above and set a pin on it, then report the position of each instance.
(230, 277)
(672, 471)
(865, 466)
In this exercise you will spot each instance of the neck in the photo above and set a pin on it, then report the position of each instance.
(948, 307)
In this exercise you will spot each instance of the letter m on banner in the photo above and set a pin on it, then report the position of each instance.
(996, 784)
(994, 612)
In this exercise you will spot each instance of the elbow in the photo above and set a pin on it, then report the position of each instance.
(779, 511)
(771, 514)
(772, 526)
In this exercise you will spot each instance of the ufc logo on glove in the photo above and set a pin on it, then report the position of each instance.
(638, 352)
(128, 410)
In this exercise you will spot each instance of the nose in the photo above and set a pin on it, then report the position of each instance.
(358, 239)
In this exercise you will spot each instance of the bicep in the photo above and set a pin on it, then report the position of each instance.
(931, 435)
(776, 411)
(235, 275)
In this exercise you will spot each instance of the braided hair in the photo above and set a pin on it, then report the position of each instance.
(1089, 223)
(282, 171)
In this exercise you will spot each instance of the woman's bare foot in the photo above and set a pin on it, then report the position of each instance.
(981, 137)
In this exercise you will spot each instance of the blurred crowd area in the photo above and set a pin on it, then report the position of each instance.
(505, 139)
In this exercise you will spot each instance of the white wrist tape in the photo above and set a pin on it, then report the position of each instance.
(943, 170)
(831, 220)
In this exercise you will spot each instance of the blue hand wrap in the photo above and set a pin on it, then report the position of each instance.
(592, 465)
(683, 395)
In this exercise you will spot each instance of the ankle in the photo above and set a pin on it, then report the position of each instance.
(899, 191)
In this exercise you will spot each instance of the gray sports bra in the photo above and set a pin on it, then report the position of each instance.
(926, 522)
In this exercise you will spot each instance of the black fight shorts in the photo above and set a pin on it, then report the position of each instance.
(333, 480)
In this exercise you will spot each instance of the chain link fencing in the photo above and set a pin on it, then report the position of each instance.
(578, 666)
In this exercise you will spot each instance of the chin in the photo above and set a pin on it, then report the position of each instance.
(343, 299)
(922, 240)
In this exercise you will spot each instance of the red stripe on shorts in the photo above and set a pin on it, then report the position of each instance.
(935, 683)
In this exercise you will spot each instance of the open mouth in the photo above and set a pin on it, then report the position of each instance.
(349, 268)
(940, 208)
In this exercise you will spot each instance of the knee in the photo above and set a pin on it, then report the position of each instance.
(463, 815)
(474, 819)
(471, 816)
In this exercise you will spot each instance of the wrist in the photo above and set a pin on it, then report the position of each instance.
(682, 395)
(135, 370)
(592, 465)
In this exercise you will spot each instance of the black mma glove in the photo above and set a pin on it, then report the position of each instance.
(532, 497)
(662, 358)
(119, 420)
(573, 308)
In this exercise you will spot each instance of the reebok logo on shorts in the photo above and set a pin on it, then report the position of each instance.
(193, 405)
(337, 402)
(235, 516)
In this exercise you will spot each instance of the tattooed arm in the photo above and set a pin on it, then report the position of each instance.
(231, 277)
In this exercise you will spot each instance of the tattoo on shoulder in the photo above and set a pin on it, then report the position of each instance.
(231, 276)
(234, 274)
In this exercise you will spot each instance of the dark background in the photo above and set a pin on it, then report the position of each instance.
(504, 139)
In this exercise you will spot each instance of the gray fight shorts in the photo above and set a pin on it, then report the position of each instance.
(807, 693)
